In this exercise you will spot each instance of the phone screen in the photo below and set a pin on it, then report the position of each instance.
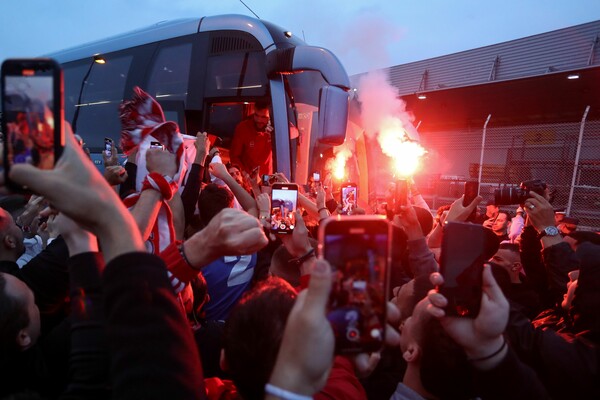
(357, 247)
(157, 145)
(464, 248)
(349, 197)
(108, 147)
(284, 200)
(32, 112)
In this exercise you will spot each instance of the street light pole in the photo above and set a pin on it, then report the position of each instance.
(96, 59)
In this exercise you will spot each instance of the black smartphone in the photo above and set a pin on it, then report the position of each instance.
(465, 247)
(108, 142)
(401, 195)
(358, 249)
(157, 145)
(316, 177)
(471, 191)
(266, 180)
(33, 113)
(284, 200)
(349, 196)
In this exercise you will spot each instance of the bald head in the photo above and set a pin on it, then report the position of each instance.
(11, 237)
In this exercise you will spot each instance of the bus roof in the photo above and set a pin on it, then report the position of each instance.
(166, 30)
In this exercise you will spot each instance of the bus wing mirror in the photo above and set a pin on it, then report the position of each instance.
(333, 115)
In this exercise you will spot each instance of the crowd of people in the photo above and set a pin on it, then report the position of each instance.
(161, 279)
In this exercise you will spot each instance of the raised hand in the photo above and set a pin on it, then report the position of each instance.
(76, 188)
(161, 161)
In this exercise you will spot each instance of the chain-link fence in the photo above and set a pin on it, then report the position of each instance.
(565, 155)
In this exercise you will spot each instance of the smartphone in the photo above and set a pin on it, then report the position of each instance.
(465, 247)
(471, 191)
(284, 200)
(157, 145)
(33, 113)
(316, 177)
(108, 142)
(401, 195)
(349, 196)
(358, 249)
(265, 180)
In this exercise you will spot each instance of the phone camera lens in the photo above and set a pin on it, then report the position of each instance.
(352, 334)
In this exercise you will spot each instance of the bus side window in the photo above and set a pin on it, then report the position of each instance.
(101, 94)
(170, 73)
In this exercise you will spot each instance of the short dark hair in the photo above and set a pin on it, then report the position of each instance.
(261, 104)
(212, 199)
(445, 370)
(509, 246)
(253, 334)
(13, 318)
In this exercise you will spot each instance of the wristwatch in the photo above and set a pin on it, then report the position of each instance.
(549, 231)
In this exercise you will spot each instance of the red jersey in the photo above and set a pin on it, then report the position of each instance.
(251, 149)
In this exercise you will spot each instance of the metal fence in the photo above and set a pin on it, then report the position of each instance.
(565, 155)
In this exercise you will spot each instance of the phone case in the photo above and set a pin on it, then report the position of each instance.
(284, 200)
(32, 102)
(349, 197)
(465, 247)
(358, 249)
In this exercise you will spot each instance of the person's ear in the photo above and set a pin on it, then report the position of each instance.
(516, 267)
(412, 353)
(223, 361)
(23, 339)
(9, 241)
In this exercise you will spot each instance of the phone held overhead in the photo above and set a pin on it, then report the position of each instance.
(465, 248)
(358, 249)
(108, 143)
(349, 196)
(284, 200)
(33, 112)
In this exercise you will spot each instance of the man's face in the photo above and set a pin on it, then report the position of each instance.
(236, 174)
(571, 286)
(505, 258)
(9, 227)
(261, 119)
(501, 223)
(18, 290)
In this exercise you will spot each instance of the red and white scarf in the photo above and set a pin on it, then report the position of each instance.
(143, 121)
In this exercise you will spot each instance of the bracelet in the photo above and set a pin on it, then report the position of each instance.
(284, 394)
(322, 208)
(300, 260)
(494, 354)
(182, 252)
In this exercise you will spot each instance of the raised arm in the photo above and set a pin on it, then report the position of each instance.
(244, 198)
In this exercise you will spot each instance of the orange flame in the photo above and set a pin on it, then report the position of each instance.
(394, 142)
(339, 164)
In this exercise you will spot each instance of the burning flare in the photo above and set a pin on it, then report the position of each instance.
(394, 142)
(337, 165)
